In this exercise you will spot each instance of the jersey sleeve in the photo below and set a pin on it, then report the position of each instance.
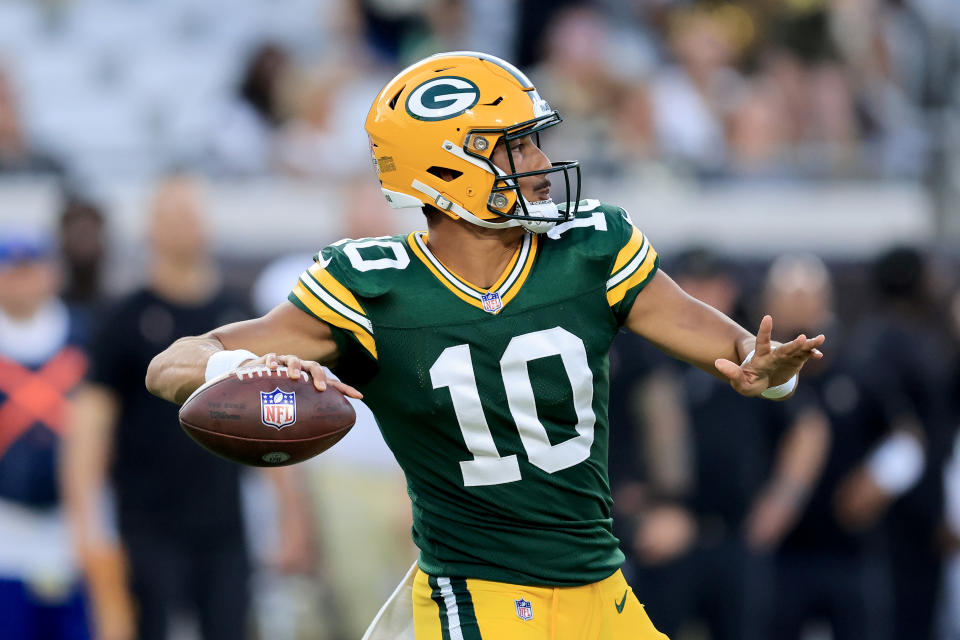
(324, 291)
(635, 264)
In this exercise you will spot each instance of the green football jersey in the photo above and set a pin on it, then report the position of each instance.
(494, 401)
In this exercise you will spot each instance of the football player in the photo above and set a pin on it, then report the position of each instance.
(481, 346)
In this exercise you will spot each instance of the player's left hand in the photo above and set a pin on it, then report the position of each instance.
(772, 363)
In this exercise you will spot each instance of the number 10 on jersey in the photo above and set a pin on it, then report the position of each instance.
(454, 370)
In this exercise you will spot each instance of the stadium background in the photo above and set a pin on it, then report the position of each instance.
(754, 129)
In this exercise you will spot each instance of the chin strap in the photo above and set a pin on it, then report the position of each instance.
(446, 205)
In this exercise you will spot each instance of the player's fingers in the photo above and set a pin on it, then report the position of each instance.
(764, 333)
(294, 366)
(271, 360)
(315, 369)
(730, 370)
(346, 389)
(792, 348)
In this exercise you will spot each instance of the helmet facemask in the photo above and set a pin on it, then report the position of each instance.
(506, 199)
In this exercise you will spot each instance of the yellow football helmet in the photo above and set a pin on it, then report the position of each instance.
(442, 116)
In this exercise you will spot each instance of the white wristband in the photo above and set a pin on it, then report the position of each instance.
(225, 361)
(779, 391)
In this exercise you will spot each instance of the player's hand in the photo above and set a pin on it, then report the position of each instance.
(295, 366)
(772, 363)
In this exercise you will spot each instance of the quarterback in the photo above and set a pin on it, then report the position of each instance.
(481, 345)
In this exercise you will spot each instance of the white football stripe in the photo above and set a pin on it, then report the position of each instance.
(453, 613)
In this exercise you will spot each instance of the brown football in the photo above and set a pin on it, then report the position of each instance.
(262, 418)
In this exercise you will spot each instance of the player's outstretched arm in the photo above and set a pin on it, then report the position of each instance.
(699, 334)
(285, 336)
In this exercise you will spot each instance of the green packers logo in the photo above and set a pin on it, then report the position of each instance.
(442, 98)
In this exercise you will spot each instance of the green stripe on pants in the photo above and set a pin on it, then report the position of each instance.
(468, 617)
(436, 597)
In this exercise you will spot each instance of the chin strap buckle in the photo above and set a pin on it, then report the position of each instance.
(442, 203)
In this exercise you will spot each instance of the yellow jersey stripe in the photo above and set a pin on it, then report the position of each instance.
(514, 289)
(412, 242)
(506, 272)
(507, 286)
(319, 309)
(335, 289)
(331, 301)
(639, 276)
(496, 285)
(628, 251)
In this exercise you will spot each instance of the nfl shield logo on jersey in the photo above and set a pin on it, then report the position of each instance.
(491, 302)
(524, 609)
(278, 408)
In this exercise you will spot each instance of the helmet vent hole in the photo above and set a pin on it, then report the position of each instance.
(495, 102)
(445, 173)
(393, 100)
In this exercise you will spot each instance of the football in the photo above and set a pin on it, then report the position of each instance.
(260, 417)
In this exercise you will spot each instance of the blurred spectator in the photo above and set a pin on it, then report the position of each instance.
(242, 138)
(904, 339)
(885, 48)
(324, 137)
(948, 620)
(692, 99)
(178, 507)
(390, 24)
(533, 21)
(16, 153)
(41, 361)
(446, 30)
(582, 78)
(757, 134)
(632, 135)
(715, 498)
(82, 251)
(364, 532)
(832, 566)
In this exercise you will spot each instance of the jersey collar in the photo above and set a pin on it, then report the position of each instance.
(497, 296)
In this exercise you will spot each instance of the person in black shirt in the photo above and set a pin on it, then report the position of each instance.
(708, 500)
(906, 339)
(178, 508)
(833, 566)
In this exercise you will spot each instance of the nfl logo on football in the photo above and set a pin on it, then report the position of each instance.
(491, 302)
(524, 609)
(278, 408)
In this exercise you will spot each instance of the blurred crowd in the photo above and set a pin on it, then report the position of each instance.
(836, 514)
(830, 515)
(689, 89)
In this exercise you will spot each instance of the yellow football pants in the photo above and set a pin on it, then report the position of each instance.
(467, 609)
